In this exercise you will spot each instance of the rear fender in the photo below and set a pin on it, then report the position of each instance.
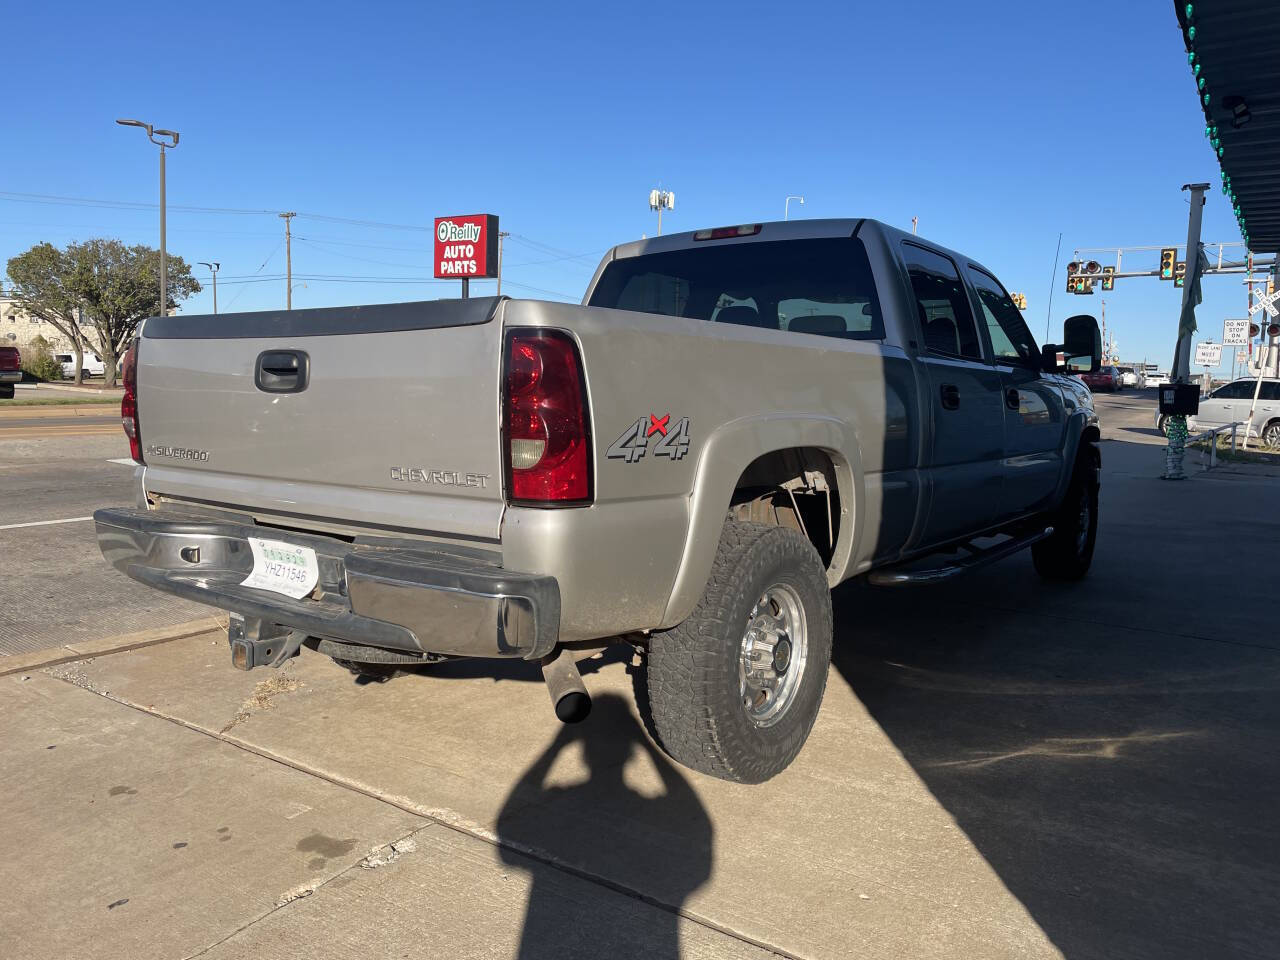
(724, 457)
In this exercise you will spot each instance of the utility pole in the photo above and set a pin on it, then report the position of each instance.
(288, 259)
(214, 267)
(502, 235)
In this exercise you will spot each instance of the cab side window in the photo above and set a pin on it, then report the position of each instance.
(942, 305)
(1239, 390)
(1011, 340)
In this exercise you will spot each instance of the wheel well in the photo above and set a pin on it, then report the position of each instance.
(795, 488)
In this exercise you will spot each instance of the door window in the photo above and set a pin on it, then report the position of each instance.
(942, 305)
(1011, 340)
(1239, 390)
(1270, 390)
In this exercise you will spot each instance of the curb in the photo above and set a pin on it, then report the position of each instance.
(20, 663)
(56, 411)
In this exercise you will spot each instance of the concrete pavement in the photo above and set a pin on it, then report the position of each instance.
(1002, 768)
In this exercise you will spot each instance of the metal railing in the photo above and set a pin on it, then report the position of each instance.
(1212, 437)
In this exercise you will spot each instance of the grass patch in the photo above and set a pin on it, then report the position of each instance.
(1255, 454)
(60, 401)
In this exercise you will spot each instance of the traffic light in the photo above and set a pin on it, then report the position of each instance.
(1168, 257)
(1072, 269)
(1254, 330)
(1019, 300)
(1108, 278)
(1273, 329)
(1180, 274)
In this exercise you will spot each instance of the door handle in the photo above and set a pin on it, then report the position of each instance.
(1012, 400)
(282, 371)
(950, 396)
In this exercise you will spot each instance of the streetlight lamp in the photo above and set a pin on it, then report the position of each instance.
(214, 267)
(786, 207)
(160, 138)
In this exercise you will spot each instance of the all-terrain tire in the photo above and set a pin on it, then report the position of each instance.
(1068, 553)
(691, 673)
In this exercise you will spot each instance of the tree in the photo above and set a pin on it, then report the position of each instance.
(118, 286)
(39, 281)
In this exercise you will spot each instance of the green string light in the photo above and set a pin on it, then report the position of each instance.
(1189, 11)
(1191, 34)
(1205, 98)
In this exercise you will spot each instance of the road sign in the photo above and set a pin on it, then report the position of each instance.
(1235, 333)
(1208, 354)
(1266, 301)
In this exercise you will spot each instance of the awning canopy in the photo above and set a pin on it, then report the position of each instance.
(1233, 53)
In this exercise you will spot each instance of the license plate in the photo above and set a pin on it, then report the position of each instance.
(282, 568)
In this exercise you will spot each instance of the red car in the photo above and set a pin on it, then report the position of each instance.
(10, 370)
(1104, 378)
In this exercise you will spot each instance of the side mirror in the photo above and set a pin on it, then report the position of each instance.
(1082, 344)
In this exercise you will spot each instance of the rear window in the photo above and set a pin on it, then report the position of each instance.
(821, 286)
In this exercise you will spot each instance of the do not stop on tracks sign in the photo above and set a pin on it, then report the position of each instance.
(466, 247)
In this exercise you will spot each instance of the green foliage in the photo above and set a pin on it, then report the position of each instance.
(101, 286)
(118, 286)
(38, 360)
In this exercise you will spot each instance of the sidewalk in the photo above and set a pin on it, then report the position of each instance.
(1002, 768)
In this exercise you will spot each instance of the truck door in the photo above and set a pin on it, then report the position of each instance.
(1034, 411)
(965, 399)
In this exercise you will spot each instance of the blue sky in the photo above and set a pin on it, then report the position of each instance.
(997, 124)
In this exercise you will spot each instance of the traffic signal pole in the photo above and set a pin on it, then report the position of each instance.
(1176, 425)
(1182, 355)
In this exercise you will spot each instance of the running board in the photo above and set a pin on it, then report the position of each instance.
(978, 558)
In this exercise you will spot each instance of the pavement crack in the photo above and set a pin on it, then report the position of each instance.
(262, 698)
(402, 845)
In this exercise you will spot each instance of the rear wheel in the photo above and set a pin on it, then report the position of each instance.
(734, 690)
(1271, 435)
(1068, 552)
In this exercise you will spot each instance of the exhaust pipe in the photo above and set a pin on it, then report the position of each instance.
(568, 693)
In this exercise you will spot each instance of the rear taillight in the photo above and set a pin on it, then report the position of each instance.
(129, 405)
(545, 434)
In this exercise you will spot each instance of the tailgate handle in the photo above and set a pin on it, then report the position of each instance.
(282, 371)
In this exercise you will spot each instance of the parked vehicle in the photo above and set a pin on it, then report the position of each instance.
(1131, 377)
(92, 365)
(734, 421)
(10, 370)
(1231, 404)
(1104, 378)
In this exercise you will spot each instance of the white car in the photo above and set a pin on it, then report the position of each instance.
(1132, 378)
(1230, 403)
(93, 366)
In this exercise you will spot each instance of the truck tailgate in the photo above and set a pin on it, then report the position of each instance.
(394, 424)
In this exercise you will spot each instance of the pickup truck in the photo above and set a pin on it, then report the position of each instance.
(732, 422)
(10, 370)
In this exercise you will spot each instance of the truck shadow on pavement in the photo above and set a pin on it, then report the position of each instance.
(1109, 747)
(539, 816)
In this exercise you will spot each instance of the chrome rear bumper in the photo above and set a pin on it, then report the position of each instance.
(396, 594)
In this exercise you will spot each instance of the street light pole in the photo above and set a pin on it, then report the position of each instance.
(167, 140)
(786, 207)
(214, 267)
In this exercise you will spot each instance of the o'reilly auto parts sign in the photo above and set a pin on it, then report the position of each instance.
(466, 247)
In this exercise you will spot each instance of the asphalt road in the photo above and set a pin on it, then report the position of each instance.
(56, 465)
(54, 472)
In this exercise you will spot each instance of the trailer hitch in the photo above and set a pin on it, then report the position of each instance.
(258, 643)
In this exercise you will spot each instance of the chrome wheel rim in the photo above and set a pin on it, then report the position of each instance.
(1272, 437)
(774, 649)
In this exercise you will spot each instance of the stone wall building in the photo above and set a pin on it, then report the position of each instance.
(18, 328)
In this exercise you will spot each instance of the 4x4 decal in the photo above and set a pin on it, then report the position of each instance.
(672, 441)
